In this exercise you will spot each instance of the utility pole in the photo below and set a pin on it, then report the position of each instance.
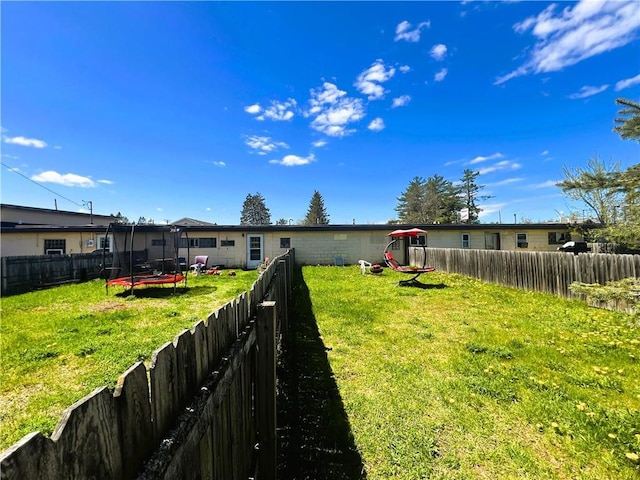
(89, 204)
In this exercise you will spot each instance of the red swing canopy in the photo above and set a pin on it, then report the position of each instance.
(412, 232)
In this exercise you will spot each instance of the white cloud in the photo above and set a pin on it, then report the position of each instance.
(480, 159)
(253, 109)
(404, 68)
(333, 120)
(333, 110)
(580, 31)
(329, 93)
(401, 101)
(319, 143)
(404, 32)
(370, 80)
(263, 145)
(547, 184)
(506, 181)
(219, 164)
(504, 165)
(544, 153)
(294, 160)
(281, 111)
(489, 208)
(376, 124)
(67, 179)
(438, 77)
(106, 182)
(57, 147)
(629, 82)
(26, 142)
(438, 51)
(587, 91)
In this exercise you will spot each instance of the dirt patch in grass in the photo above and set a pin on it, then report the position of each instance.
(107, 306)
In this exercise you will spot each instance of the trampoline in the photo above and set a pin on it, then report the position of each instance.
(142, 280)
(129, 271)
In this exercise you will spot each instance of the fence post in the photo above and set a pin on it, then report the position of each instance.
(266, 389)
(284, 297)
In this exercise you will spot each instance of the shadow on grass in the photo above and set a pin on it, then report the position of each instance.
(417, 284)
(164, 292)
(315, 439)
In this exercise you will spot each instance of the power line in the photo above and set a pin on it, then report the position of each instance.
(14, 170)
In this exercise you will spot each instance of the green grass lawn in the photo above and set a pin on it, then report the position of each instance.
(58, 345)
(470, 380)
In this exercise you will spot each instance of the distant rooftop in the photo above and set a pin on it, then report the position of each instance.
(192, 222)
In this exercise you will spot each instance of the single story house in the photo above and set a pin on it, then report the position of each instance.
(247, 246)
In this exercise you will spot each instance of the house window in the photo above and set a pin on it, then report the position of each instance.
(418, 240)
(208, 242)
(227, 243)
(105, 243)
(55, 247)
(204, 242)
(466, 240)
(285, 242)
(559, 238)
(158, 242)
(521, 240)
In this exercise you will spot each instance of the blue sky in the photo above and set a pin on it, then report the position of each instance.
(181, 109)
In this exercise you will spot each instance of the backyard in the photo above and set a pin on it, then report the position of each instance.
(60, 344)
(459, 379)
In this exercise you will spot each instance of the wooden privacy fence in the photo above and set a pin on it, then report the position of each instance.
(205, 408)
(549, 272)
(25, 273)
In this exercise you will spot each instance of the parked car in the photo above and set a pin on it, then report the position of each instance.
(575, 247)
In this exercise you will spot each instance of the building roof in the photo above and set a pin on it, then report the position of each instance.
(459, 227)
(192, 222)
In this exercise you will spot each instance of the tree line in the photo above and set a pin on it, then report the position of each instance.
(431, 200)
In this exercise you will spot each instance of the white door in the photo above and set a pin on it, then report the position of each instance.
(255, 250)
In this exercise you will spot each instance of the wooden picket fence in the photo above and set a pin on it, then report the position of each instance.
(205, 408)
(548, 272)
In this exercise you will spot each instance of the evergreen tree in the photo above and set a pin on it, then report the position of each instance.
(282, 221)
(434, 200)
(442, 201)
(255, 211)
(470, 194)
(629, 122)
(316, 214)
(119, 218)
(410, 203)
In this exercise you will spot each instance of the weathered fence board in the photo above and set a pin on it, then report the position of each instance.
(88, 439)
(132, 400)
(548, 272)
(163, 379)
(186, 367)
(29, 458)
